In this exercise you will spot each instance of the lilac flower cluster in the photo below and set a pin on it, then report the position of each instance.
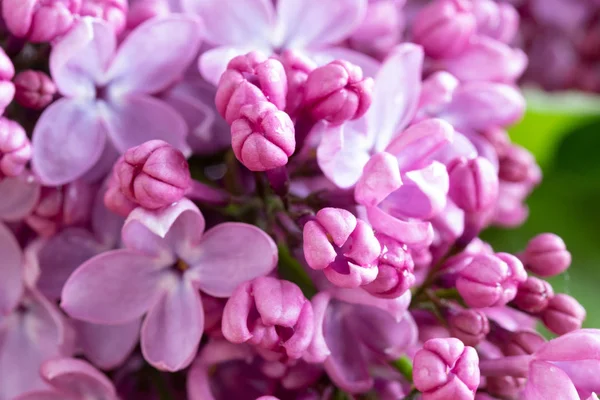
(256, 199)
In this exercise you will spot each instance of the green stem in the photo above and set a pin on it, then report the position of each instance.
(289, 268)
(404, 366)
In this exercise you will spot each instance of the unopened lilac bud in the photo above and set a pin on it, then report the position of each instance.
(523, 343)
(344, 247)
(249, 79)
(516, 164)
(490, 280)
(505, 387)
(143, 10)
(563, 314)
(297, 67)
(446, 368)
(272, 315)
(546, 255)
(114, 199)
(473, 184)
(34, 89)
(499, 21)
(153, 174)
(379, 31)
(263, 137)
(498, 138)
(533, 295)
(469, 326)
(444, 27)
(112, 11)
(395, 273)
(15, 148)
(7, 88)
(39, 20)
(337, 92)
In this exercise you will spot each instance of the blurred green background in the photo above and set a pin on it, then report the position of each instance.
(563, 132)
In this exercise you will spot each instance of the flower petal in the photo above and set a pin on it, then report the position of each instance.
(229, 254)
(136, 118)
(41, 395)
(106, 225)
(20, 195)
(577, 345)
(408, 232)
(107, 346)
(11, 273)
(160, 221)
(369, 65)
(79, 60)
(112, 288)
(136, 66)
(173, 328)
(234, 22)
(213, 63)
(380, 177)
(547, 381)
(317, 23)
(78, 378)
(67, 141)
(395, 94)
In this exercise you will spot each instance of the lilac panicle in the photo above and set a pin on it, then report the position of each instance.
(34, 89)
(563, 314)
(546, 255)
(337, 92)
(262, 137)
(15, 148)
(444, 368)
(7, 88)
(272, 315)
(341, 245)
(533, 295)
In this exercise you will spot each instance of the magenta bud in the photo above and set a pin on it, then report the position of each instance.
(505, 387)
(395, 273)
(516, 164)
(263, 137)
(249, 79)
(498, 138)
(15, 148)
(337, 92)
(446, 368)
(34, 89)
(533, 295)
(523, 343)
(380, 30)
(39, 20)
(7, 88)
(490, 280)
(444, 27)
(473, 184)
(469, 326)
(153, 174)
(114, 199)
(547, 255)
(272, 315)
(563, 314)
(297, 67)
(499, 21)
(112, 11)
(143, 10)
(344, 247)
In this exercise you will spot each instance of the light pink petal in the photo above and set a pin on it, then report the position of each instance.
(140, 238)
(395, 307)
(461, 146)
(229, 254)
(11, 272)
(186, 232)
(107, 346)
(137, 66)
(317, 23)
(583, 374)
(113, 288)
(414, 147)
(342, 153)
(160, 221)
(547, 381)
(79, 60)
(173, 327)
(61, 255)
(213, 63)
(369, 65)
(380, 177)
(408, 232)
(572, 346)
(78, 378)
(20, 195)
(67, 141)
(136, 118)
(234, 22)
(395, 94)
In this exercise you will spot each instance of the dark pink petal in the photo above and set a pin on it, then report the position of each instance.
(107, 346)
(11, 274)
(229, 254)
(396, 94)
(115, 287)
(20, 195)
(547, 381)
(68, 140)
(79, 60)
(78, 378)
(574, 346)
(136, 66)
(43, 395)
(316, 23)
(234, 22)
(173, 327)
(136, 118)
